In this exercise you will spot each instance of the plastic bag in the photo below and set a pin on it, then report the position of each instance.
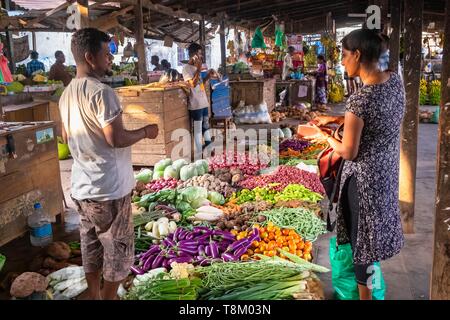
(258, 39)
(343, 274)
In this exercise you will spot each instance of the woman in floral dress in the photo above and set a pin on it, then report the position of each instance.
(368, 213)
(321, 84)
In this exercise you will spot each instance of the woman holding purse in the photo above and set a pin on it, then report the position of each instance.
(368, 213)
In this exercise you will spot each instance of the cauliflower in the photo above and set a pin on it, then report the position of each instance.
(181, 270)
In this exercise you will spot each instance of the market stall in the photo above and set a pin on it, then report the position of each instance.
(29, 166)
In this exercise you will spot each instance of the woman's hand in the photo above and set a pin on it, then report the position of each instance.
(324, 120)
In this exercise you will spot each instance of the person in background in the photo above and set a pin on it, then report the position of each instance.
(368, 211)
(321, 83)
(288, 65)
(165, 65)
(173, 74)
(34, 65)
(351, 84)
(102, 173)
(155, 62)
(198, 101)
(58, 70)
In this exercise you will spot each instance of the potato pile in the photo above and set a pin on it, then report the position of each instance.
(58, 255)
(235, 221)
(276, 116)
(232, 176)
(302, 114)
(209, 182)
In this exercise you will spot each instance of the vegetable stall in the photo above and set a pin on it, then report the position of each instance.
(229, 227)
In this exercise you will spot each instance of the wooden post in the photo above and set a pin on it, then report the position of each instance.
(408, 149)
(33, 35)
(223, 50)
(9, 42)
(140, 43)
(394, 41)
(440, 274)
(83, 8)
(202, 38)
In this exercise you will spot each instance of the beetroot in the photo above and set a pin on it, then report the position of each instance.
(284, 176)
(160, 184)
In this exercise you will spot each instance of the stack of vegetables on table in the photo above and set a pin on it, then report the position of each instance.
(229, 228)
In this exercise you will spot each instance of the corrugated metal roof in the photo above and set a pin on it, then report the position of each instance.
(38, 4)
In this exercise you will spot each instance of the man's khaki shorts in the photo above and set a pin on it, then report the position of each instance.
(107, 237)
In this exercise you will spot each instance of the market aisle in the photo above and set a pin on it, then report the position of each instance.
(408, 274)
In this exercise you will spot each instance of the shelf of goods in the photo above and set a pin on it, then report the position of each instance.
(164, 106)
(253, 92)
(33, 175)
(30, 107)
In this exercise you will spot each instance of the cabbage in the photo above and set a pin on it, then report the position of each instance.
(203, 163)
(287, 133)
(158, 175)
(170, 172)
(200, 202)
(145, 175)
(188, 172)
(178, 164)
(216, 198)
(191, 193)
(200, 169)
(162, 164)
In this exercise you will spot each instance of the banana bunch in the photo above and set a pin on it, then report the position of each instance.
(336, 93)
(40, 78)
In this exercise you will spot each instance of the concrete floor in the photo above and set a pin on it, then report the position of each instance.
(407, 275)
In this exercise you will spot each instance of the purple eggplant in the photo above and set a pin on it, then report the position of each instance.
(205, 262)
(201, 228)
(181, 260)
(190, 236)
(177, 233)
(157, 262)
(223, 246)
(188, 250)
(201, 249)
(240, 251)
(148, 263)
(187, 243)
(171, 254)
(204, 237)
(228, 257)
(182, 235)
(152, 250)
(237, 244)
(214, 250)
(208, 251)
(166, 263)
(170, 242)
(137, 270)
(184, 254)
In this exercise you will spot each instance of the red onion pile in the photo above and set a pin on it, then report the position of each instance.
(160, 184)
(285, 175)
(244, 162)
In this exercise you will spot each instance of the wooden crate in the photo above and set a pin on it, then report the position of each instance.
(33, 176)
(166, 108)
(253, 92)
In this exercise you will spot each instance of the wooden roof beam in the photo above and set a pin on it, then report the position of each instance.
(49, 13)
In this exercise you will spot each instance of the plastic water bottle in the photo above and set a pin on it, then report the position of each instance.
(72, 220)
(40, 223)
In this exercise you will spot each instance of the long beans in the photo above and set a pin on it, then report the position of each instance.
(305, 222)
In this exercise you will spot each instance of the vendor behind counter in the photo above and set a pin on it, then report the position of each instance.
(58, 70)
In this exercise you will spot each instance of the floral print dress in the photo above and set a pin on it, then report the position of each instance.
(376, 168)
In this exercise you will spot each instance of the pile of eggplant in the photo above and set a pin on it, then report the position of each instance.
(199, 246)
